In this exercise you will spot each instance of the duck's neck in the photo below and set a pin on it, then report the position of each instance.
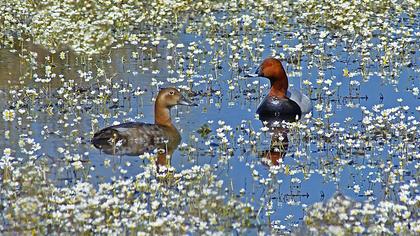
(279, 82)
(279, 87)
(162, 115)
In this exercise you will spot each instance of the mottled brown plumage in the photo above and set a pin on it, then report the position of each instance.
(136, 138)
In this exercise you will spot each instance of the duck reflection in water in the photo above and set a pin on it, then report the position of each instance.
(278, 147)
(136, 138)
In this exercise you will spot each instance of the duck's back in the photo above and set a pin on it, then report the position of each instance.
(303, 101)
(133, 138)
(274, 109)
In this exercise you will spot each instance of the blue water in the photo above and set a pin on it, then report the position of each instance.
(233, 108)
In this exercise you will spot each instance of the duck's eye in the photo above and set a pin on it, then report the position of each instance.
(171, 93)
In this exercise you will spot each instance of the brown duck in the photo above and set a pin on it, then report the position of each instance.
(135, 138)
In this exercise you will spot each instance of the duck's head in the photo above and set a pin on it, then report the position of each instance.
(272, 69)
(169, 97)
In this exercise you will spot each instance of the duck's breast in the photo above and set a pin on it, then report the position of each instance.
(301, 99)
(274, 109)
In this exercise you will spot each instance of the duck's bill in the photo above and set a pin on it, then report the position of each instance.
(186, 101)
(256, 74)
(251, 75)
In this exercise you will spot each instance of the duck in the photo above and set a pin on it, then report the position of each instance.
(136, 138)
(281, 103)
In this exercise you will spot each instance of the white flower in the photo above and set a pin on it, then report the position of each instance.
(9, 115)
(155, 205)
(7, 152)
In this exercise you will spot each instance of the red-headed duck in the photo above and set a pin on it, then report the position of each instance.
(281, 103)
(135, 138)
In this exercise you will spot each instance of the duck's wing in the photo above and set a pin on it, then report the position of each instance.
(301, 99)
(131, 138)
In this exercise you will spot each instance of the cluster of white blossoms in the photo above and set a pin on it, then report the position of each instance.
(341, 215)
(188, 201)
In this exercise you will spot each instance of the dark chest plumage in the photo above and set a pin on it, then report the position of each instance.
(274, 109)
